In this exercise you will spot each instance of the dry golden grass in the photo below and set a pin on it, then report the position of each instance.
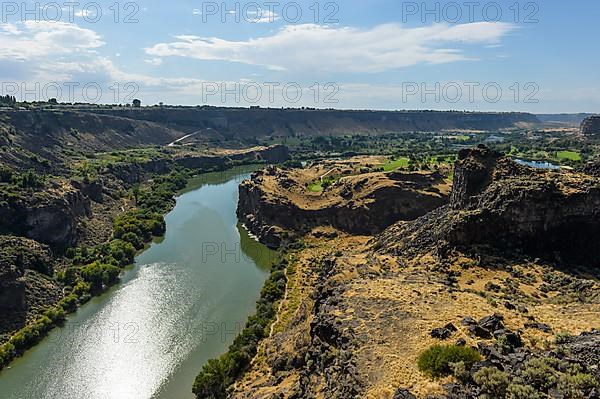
(395, 307)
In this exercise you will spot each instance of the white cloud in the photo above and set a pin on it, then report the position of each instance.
(55, 53)
(10, 29)
(262, 16)
(154, 61)
(312, 47)
(34, 39)
(84, 13)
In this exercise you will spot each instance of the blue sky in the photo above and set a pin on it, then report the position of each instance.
(503, 55)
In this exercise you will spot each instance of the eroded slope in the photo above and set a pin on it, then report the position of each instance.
(359, 311)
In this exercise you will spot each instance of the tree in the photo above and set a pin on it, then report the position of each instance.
(30, 179)
(212, 382)
(135, 192)
(8, 100)
(6, 174)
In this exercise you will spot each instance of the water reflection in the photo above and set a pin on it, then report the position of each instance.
(185, 301)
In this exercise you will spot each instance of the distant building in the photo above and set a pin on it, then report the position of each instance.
(137, 103)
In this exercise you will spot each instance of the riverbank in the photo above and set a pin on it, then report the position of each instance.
(87, 271)
(183, 303)
(96, 269)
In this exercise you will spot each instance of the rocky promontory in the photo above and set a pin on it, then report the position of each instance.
(507, 270)
(499, 203)
(277, 202)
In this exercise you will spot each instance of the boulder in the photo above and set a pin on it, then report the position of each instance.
(402, 393)
(539, 326)
(512, 339)
(492, 323)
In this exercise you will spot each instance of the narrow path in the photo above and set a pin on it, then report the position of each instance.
(183, 138)
(325, 175)
(285, 296)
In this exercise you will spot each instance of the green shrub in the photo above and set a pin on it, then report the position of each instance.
(30, 335)
(133, 239)
(68, 276)
(140, 223)
(30, 179)
(540, 373)
(518, 391)
(6, 174)
(100, 275)
(562, 338)
(213, 380)
(492, 381)
(7, 353)
(70, 253)
(69, 303)
(56, 314)
(574, 385)
(122, 252)
(81, 288)
(459, 370)
(435, 361)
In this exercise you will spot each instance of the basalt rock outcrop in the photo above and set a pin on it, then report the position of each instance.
(25, 270)
(259, 122)
(568, 371)
(51, 217)
(499, 203)
(273, 155)
(591, 126)
(137, 172)
(360, 312)
(91, 189)
(272, 203)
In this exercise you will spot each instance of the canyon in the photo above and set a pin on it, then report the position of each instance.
(512, 241)
(385, 253)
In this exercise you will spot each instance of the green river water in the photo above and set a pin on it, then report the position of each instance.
(183, 302)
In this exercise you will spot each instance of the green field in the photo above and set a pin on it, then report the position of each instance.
(568, 155)
(317, 185)
(393, 165)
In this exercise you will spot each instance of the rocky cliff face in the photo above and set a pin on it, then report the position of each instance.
(358, 314)
(135, 173)
(498, 203)
(355, 321)
(364, 204)
(55, 222)
(25, 267)
(51, 217)
(591, 126)
(472, 174)
(274, 154)
(245, 123)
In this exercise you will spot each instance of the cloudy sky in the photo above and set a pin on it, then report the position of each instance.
(382, 54)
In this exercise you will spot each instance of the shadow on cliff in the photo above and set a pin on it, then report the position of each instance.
(517, 210)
